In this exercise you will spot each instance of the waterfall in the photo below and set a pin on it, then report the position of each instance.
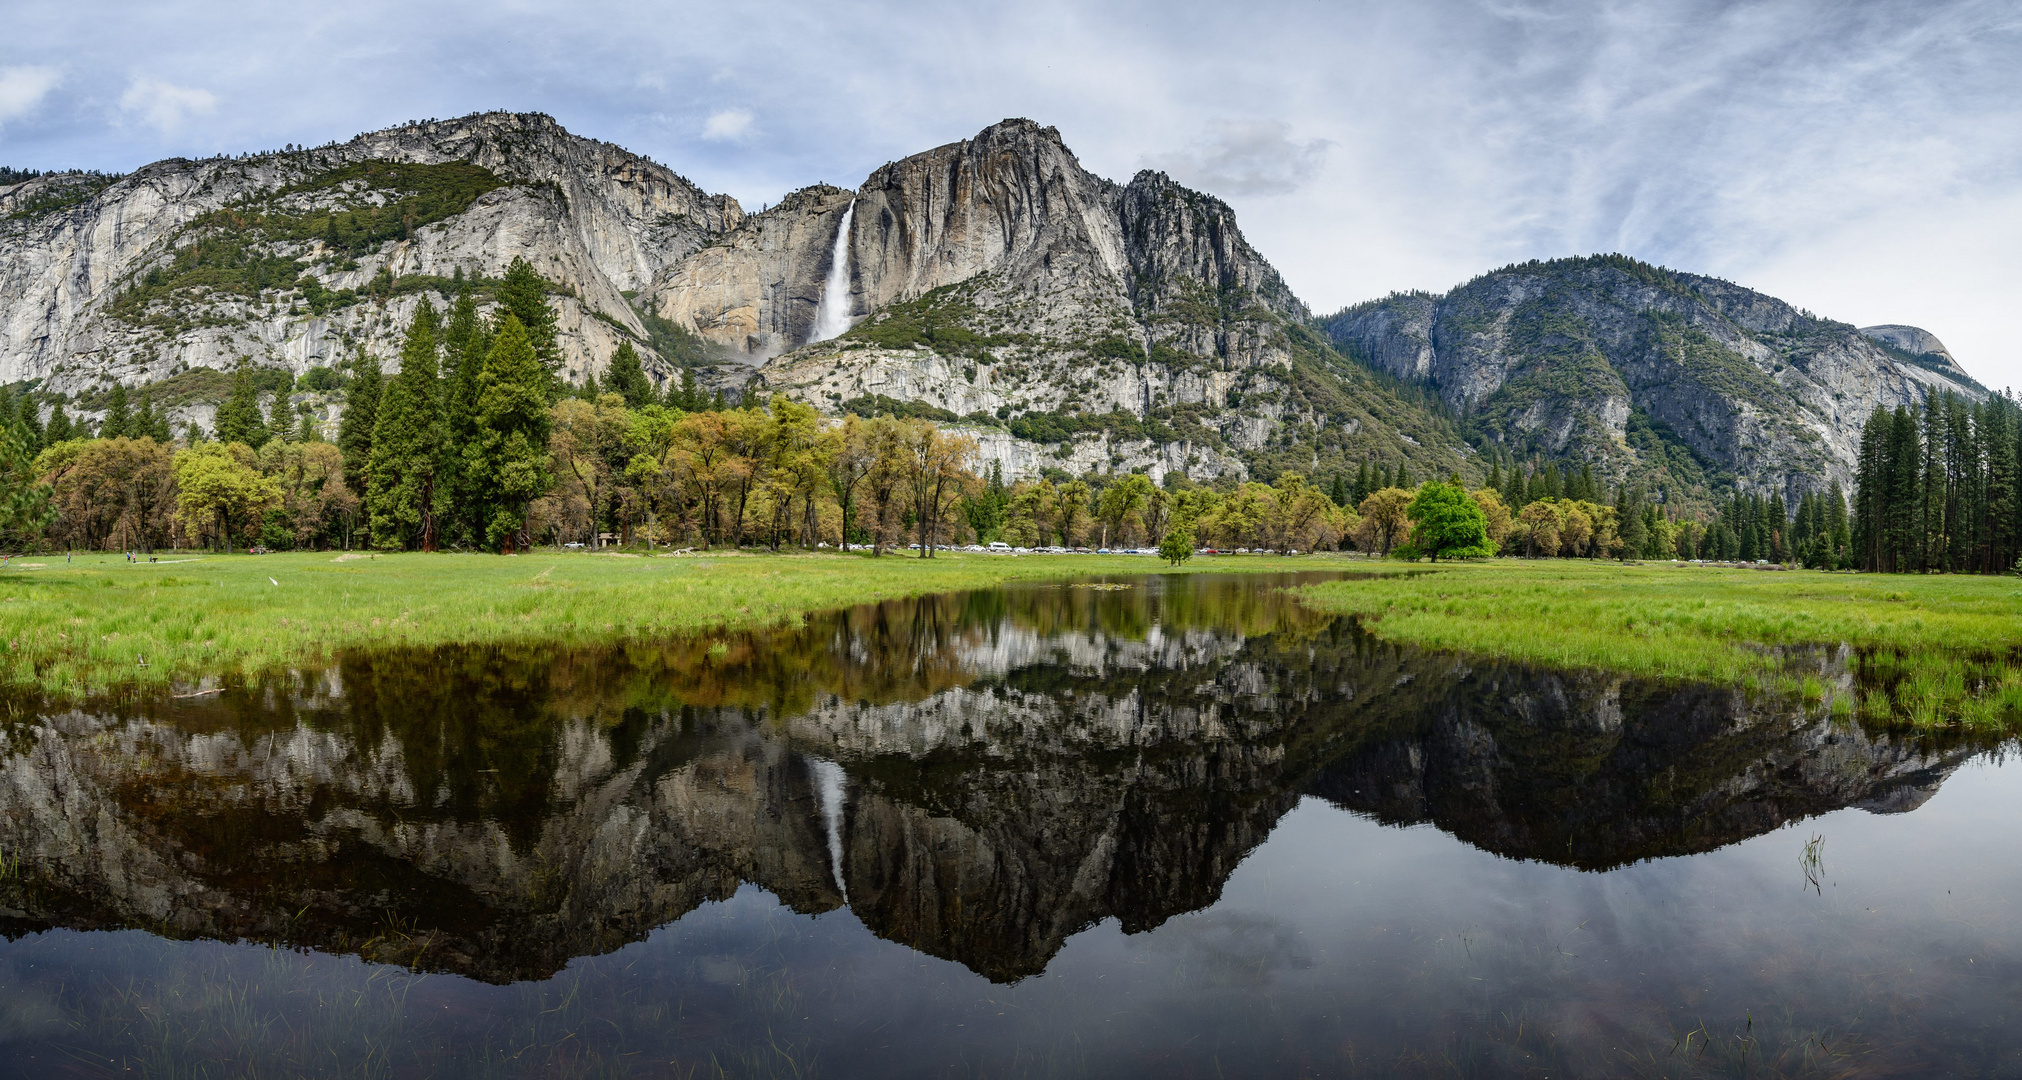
(832, 315)
(828, 785)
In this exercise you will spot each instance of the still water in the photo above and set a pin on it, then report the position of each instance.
(1172, 827)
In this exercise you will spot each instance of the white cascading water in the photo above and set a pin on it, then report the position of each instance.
(832, 316)
(828, 786)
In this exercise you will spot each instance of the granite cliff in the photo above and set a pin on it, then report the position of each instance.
(1068, 320)
(1685, 382)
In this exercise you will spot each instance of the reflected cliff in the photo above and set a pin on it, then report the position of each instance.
(977, 776)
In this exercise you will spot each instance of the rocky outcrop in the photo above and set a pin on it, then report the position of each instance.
(592, 218)
(992, 280)
(1562, 359)
(755, 290)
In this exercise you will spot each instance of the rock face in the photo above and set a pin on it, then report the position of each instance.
(1617, 363)
(592, 218)
(1070, 321)
(996, 279)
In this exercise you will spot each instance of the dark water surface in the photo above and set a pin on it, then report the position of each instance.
(1182, 828)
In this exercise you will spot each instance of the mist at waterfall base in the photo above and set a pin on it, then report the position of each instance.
(1181, 828)
(832, 316)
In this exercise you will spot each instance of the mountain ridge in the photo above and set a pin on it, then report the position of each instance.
(1074, 322)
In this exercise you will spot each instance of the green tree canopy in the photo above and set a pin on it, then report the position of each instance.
(626, 377)
(239, 419)
(361, 416)
(508, 463)
(407, 445)
(1446, 521)
(524, 294)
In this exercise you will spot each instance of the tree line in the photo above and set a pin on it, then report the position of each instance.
(1937, 489)
(478, 443)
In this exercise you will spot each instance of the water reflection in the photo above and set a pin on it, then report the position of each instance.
(977, 777)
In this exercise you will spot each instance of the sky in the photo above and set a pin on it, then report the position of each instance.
(1862, 160)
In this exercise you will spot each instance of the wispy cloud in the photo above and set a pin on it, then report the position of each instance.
(23, 88)
(1365, 145)
(729, 125)
(165, 106)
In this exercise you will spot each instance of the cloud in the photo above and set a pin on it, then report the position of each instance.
(22, 89)
(164, 105)
(729, 125)
(1246, 157)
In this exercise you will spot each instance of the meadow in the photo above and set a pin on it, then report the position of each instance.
(97, 623)
(1926, 649)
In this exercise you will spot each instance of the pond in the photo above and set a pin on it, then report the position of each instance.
(1157, 826)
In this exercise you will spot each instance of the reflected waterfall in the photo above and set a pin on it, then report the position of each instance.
(828, 786)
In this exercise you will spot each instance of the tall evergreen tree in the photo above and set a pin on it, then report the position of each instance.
(238, 419)
(147, 423)
(1837, 532)
(525, 295)
(626, 377)
(361, 416)
(401, 495)
(59, 429)
(118, 414)
(280, 424)
(509, 461)
(2000, 501)
(690, 398)
(30, 421)
(466, 340)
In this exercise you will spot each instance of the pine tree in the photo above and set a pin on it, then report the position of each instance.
(525, 295)
(1364, 486)
(690, 399)
(279, 426)
(238, 419)
(466, 340)
(1838, 536)
(1514, 489)
(59, 428)
(117, 415)
(2000, 502)
(149, 424)
(1629, 522)
(1931, 524)
(626, 377)
(400, 499)
(1870, 483)
(361, 415)
(509, 461)
(1905, 480)
(31, 422)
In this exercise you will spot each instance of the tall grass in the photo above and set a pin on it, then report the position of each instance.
(99, 623)
(1927, 651)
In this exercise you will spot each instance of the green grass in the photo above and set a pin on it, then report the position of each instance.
(1929, 650)
(100, 624)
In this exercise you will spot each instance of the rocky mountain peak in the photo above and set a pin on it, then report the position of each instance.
(1681, 381)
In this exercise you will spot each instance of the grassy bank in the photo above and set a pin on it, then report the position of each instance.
(99, 622)
(1929, 649)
